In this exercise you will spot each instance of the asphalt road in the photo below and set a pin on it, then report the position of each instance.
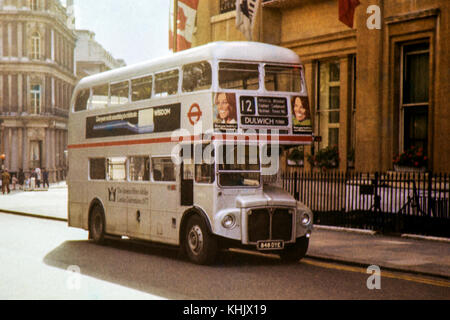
(40, 259)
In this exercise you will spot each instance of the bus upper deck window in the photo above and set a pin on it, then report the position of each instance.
(99, 97)
(166, 83)
(242, 76)
(197, 76)
(82, 100)
(282, 78)
(119, 92)
(141, 88)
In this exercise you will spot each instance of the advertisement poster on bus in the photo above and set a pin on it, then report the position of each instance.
(134, 122)
(225, 114)
(301, 115)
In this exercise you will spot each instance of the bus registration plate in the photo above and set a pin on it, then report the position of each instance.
(270, 245)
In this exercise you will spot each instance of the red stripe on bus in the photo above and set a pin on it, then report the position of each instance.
(225, 137)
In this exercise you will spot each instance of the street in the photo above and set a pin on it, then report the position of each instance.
(40, 259)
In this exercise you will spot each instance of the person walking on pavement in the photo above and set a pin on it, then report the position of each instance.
(20, 178)
(38, 176)
(6, 178)
(45, 178)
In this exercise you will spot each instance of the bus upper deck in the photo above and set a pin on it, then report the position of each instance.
(226, 87)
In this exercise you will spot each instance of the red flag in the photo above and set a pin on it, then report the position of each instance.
(187, 11)
(347, 11)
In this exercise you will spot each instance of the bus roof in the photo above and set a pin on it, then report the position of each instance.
(236, 50)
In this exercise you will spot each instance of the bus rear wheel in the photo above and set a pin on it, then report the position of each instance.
(97, 225)
(295, 252)
(200, 245)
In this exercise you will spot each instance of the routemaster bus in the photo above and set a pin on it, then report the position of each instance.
(184, 150)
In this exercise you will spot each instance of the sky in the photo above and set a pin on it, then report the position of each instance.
(133, 30)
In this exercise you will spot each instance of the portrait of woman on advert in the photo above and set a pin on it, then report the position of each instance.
(225, 116)
(301, 116)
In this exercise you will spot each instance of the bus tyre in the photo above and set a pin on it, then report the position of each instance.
(200, 245)
(97, 225)
(295, 252)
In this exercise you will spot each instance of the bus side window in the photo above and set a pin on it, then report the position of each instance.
(97, 169)
(139, 168)
(99, 97)
(204, 171)
(81, 101)
(119, 92)
(116, 169)
(141, 88)
(166, 83)
(163, 169)
(197, 76)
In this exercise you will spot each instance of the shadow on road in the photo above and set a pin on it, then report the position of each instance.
(162, 271)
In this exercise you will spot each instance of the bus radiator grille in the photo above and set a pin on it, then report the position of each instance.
(266, 224)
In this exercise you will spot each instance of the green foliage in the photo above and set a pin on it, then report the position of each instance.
(296, 154)
(326, 158)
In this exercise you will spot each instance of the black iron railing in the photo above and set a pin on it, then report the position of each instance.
(387, 202)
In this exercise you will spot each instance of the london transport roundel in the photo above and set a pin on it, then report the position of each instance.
(194, 114)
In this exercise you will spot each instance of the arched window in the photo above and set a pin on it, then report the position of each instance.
(35, 45)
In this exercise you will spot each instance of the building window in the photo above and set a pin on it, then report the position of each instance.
(415, 95)
(34, 4)
(328, 107)
(36, 99)
(35, 45)
(227, 5)
(35, 154)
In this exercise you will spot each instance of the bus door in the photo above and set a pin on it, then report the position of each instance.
(187, 176)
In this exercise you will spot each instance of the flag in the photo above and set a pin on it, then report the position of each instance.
(347, 11)
(187, 11)
(245, 16)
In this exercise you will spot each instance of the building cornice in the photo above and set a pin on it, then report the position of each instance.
(20, 66)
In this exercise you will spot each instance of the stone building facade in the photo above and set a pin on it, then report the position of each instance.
(375, 89)
(36, 82)
(91, 57)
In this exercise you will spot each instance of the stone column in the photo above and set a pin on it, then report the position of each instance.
(368, 96)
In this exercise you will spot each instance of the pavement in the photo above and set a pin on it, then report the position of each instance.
(428, 256)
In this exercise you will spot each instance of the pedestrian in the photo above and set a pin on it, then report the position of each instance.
(14, 181)
(32, 179)
(21, 178)
(6, 178)
(38, 176)
(27, 183)
(45, 178)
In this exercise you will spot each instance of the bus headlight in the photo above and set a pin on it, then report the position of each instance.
(306, 219)
(229, 221)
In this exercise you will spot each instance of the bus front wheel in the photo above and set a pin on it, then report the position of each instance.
(295, 252)
(97, 225)
(200, 245)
